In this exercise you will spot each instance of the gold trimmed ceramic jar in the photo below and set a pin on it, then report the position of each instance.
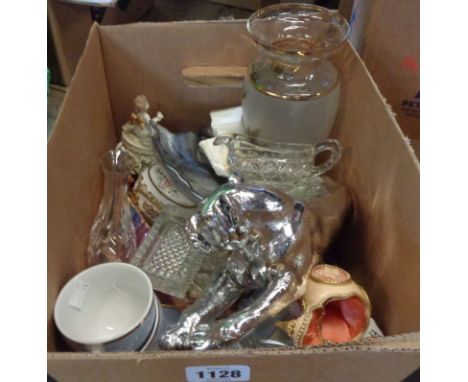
(154, 190)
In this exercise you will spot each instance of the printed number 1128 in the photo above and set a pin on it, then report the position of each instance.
(226, 373)
(214, 374)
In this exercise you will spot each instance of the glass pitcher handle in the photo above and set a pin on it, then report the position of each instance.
(334, 147)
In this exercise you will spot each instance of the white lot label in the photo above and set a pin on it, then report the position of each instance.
(219, 373)
(373, 330)
(78, 293)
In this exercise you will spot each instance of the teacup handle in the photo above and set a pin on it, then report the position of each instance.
(334, 147)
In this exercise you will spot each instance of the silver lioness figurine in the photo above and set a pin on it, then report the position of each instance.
(270, 238)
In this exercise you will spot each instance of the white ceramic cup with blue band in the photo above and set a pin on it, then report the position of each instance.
(108, 307)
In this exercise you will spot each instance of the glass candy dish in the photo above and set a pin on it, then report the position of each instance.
(168, 257)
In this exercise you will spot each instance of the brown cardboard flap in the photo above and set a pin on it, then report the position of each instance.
(146, 58)
(380, 246)
(276, 366)
(83, 131)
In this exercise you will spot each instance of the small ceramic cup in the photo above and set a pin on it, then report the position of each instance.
(108, 307)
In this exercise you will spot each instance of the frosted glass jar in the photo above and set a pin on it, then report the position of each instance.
(292, 90)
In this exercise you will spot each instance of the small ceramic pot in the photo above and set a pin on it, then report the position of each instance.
(108, 307)
(335, 309)
(155, 190)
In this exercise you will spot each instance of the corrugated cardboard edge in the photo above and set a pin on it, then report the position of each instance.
(400, 343)
(168, 23)
(293, 366)
(389, 359)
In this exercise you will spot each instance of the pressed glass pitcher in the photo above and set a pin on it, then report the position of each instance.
(292, 90)
(288, 167)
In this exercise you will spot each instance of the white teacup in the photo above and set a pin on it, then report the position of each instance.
(108, 307)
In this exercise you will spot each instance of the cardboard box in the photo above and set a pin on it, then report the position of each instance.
(390, 48)
(379, 244)
(70, 25)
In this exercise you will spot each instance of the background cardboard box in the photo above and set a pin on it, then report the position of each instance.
(69, 25)
(390, 49)
(379, 244)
